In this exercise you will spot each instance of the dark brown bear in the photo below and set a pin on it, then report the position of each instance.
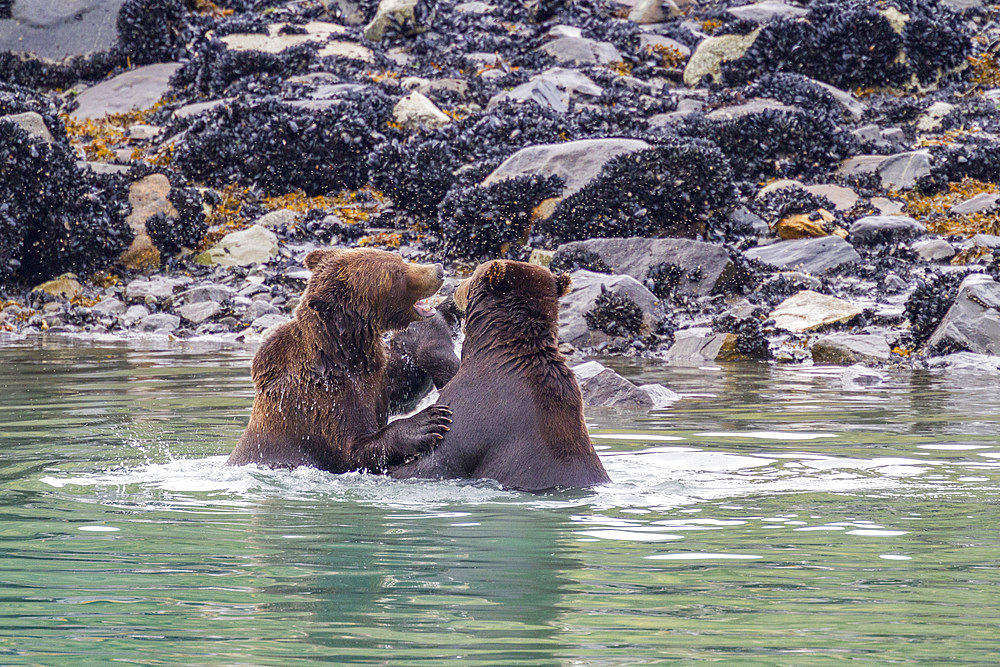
(517, 407)
(320, 379)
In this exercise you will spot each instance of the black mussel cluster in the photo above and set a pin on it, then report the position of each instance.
(615, 315)
(55, 216)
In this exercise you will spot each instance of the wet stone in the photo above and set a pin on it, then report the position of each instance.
(602, 387)
(576, 162)
(816, 256)
(981, 203)
(808, 310)
(581, 51)
(246, 248)
(884, 229)
(139, 88)
(973, 322)
(160, 323)
(694, 346)
(934, 250)
(848, 349)
(711, 52)
(707, 267)
(200, 293)
(901, 171)
(196, 313)
(157, 287)
(762, 12)
(587, 287)
(109, 306)
(57, 30)
(32, 123)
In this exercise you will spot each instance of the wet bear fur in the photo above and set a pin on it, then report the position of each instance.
(518, 412)
(320, 379)
(421, 358)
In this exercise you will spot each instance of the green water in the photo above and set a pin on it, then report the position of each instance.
(772, 517)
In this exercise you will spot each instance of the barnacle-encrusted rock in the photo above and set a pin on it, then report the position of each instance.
(972, 323)
(587, 287)
(702, 268)
(670, 189)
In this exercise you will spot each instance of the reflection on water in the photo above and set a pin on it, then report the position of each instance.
(770, 517)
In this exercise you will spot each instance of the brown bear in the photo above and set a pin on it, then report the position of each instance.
(422, 357)
(517, 407)
(320, 379)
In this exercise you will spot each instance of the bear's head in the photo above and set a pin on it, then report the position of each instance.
(516, 295)
(376, 286)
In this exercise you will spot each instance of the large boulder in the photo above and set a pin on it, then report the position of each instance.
(57, 30)
(576, 162)
(581, 51)
(587, 287)
(972, 323)
(816, 256)
(705, 267)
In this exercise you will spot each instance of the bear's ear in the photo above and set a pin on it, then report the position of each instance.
(316, 257)
(495, 274)
(564, 283)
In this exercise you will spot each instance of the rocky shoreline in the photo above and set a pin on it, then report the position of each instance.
(790, 182)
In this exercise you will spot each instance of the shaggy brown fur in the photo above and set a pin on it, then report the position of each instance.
(518, 409)
(320, 379)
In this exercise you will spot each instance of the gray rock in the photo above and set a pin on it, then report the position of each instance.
(198, 312)
(199, 108)
(887, 206)
(416, 110)
(858, 376)
(844, 199)
(847, 349)
(707, 265)
(762, 12)
(140, 88)
(32, 123)
(966, 362)
(570, 81)
(816, 256)
(259, 309)
(662, 397)
(56, 30)
(711, 52)
(869, 132)
(135, 313)
(542, 93)
(934, 250)
(244, 248)
(157, 287)
(281, 217)
(160, 323)
(901, 171)
(474, 7)
(602, 387)
(109, 306)
(986, 201)
(808, 310)
(884, 229)
(748, 108)
(963, 5)
(973, 321)
(268, 321)
(581, 51)
(211, 292)
(696, 346)
(746, 222)
(577, 162)
(586, 288)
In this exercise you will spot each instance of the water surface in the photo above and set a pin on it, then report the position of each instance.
(771, 517)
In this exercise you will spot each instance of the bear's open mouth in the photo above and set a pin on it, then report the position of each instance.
(424, 309)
